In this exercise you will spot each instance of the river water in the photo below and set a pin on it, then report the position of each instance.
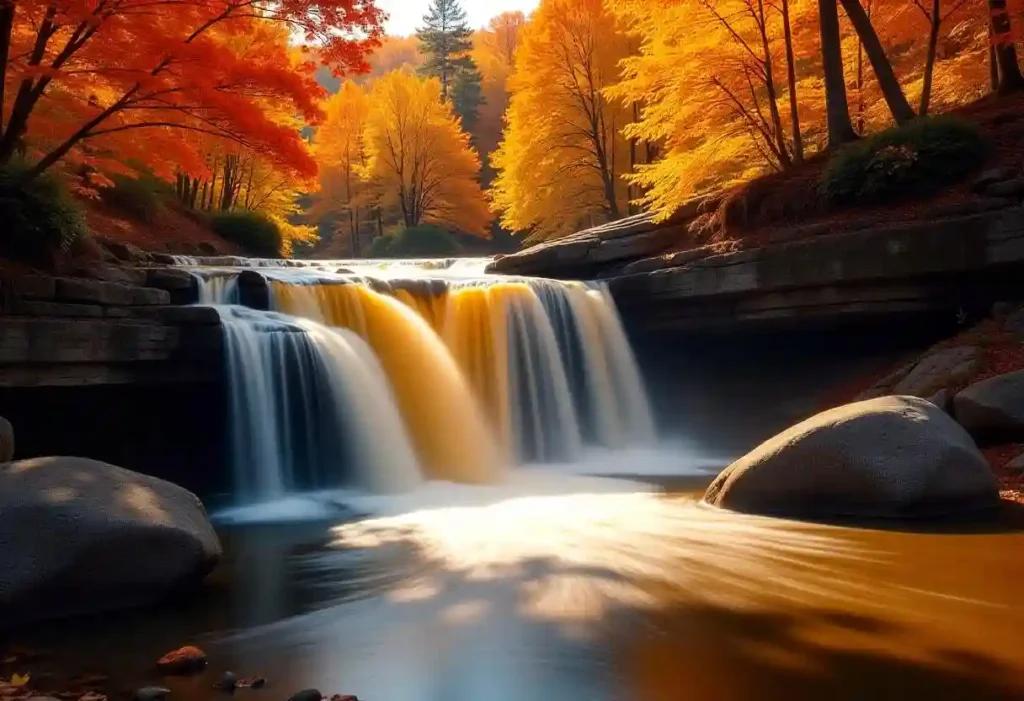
(534, 581)
(607, 591)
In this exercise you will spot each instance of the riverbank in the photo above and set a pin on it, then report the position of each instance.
(991, 349)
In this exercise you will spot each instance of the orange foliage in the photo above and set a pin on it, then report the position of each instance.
(113, 81)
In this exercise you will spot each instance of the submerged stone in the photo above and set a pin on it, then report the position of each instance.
(892, 457)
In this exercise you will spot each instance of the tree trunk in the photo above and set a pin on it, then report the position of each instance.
(773, 96)
(993, 66)
(6, 27)
(840, 130)
(901, 110)
(1010, 78)
(631, 189)
(794, 110)
(194, 193)
(929, 64)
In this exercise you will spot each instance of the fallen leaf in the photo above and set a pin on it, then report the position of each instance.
(184, 660)
(19, 679)
(92, 696)
(251, 683)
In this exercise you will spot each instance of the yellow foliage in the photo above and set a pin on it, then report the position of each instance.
(561, 162)
(418, 159)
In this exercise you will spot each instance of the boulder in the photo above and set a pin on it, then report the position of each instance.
(1017, 464)
(83, 536)
(891, 457)
(126, 252)
(937, 370)
(993, 409)
(6, 440)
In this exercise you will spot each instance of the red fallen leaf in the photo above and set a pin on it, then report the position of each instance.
(251, 683)
(184, 660)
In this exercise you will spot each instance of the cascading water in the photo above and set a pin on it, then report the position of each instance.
(468, 374)
(306, 401)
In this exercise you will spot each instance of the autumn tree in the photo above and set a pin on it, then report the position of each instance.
(418, 159)
(341, 154)
(494, 50)
(445, 41)
(1004, 48)
(561, 162)
(718, 84)
(84, 78)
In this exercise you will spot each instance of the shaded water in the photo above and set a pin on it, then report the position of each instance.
(605, 592)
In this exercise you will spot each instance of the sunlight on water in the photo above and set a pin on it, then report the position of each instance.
(579, 555)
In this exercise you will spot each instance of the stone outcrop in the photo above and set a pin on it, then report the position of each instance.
(895, 270)
(84, 536)
(892, 457)
(993, 409)
(927, 376)
(6, 440)
(79, 331)
(588, 252)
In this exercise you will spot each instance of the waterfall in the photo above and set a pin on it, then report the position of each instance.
(217, 286)
(310, 408)
(547, 363)
(444, 419)
(382, 375)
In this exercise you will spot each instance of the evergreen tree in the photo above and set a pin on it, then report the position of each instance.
(446, 41)
(467, 96)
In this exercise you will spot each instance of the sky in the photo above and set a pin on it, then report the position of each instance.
(406, 14)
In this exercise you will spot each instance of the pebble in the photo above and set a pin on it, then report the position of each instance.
(152, 693)
(307, 695)
(227, 682)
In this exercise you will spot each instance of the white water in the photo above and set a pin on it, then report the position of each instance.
(312, 409)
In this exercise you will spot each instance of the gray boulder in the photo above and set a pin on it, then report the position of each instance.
(891, 457)
(77, 535)
(6, 440)
(993, 408)
(937, 370)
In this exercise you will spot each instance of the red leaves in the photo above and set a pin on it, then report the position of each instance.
(203, 67)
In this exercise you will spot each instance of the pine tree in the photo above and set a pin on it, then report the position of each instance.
(467, 97)
(446, 40)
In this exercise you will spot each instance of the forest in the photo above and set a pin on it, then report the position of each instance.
(302, 118)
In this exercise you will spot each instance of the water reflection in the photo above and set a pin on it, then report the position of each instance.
(595, 597)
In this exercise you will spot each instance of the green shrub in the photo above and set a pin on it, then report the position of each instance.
(918, 158)
(40, 216)
(140, 197)
(424, 241)
(255, 233)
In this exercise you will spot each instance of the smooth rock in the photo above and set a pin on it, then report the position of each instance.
(891, 457)
(151, 693)
(126, 252)
(6, 440)
(1016, 464)
(227, 682)
(937, 370)
(1008, 188)
(106, 272)
(941, 399)
(993, 409)
(306, 695)
(170, 279)
(992, 176)
(83, 536)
